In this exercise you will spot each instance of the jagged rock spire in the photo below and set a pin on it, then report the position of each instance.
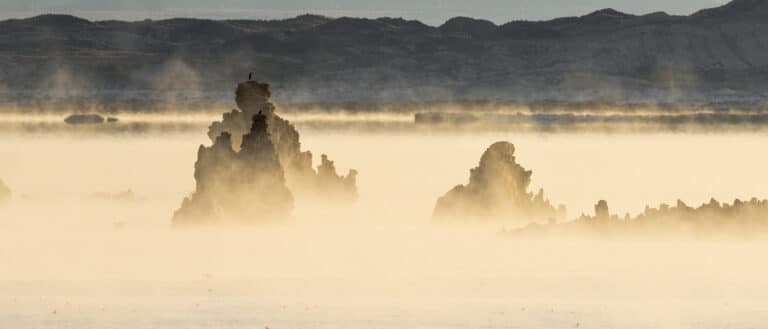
(244, 186)
(253, 97)
(497, 189)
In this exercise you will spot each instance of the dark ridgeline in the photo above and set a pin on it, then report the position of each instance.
(712, 56)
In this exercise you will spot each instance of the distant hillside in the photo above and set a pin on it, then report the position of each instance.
(714, 55)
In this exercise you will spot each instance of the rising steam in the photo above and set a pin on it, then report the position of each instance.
(254, 182)
(5, 193)
(497, 189)
(712, 219)
(238, 186)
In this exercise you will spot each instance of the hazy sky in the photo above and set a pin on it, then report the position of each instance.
(429, 11)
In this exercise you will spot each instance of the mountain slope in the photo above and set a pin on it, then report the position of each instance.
(714, 54)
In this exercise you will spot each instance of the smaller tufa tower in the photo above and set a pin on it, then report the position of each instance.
(497, 190)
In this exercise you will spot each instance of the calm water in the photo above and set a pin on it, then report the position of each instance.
(70, 260)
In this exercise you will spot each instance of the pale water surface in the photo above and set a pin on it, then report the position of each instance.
(69, 260)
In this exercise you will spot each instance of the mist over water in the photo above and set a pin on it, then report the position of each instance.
(71, 259)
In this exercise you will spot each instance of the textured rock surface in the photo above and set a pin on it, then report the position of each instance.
(713, 219)
(497, 190)
(238, 186)
(255, 166)
(253, 97)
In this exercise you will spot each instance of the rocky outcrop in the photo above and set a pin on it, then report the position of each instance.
(80, 119)
(238, 186)
(601, 210)
(497, 190)
(713, 219)
(254, 97)
(5, 193)
(255, 166)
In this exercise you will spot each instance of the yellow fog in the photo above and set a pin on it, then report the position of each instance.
(69, 259)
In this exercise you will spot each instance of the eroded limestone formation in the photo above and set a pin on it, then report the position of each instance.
(601, 210)
(256, 166)
(246, 185)
(713, 219)
(253, 97)
(497, 190)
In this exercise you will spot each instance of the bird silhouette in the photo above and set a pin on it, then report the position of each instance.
(250, 76)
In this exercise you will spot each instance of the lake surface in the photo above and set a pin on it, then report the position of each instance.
(69, 259)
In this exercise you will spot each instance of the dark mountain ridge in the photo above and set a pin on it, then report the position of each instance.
(718, 54)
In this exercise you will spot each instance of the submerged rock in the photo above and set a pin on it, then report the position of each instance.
(254, 97)
(444, 118)
(497, 190)
(238, 186)
(5, 193)
(78, 119)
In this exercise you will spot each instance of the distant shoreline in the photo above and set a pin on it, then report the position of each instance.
(202, 105)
